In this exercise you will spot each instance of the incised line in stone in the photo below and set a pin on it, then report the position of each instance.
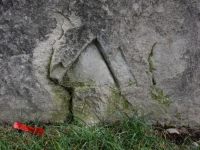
(102, 53)
(124, 58)
(70, 89)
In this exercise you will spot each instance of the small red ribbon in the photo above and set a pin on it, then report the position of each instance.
(24, 127)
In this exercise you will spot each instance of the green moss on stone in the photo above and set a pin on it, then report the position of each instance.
(75, 82)
(117, 103)
(48, 65)
(83, 107)
(178, 116)
(130, 82)
(158, 95)
(82, 112)
(150, 59)
(61, 98)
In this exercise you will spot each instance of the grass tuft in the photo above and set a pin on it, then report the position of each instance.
(129, 134)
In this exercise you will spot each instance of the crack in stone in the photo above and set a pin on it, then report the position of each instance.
(58, 12)
(151, 63)
(51, 56)
(62, 32)
(70, 90)
(157, 93)
(101, 50)
(70, 117)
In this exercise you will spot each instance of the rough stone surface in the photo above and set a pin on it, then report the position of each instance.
(94, 58)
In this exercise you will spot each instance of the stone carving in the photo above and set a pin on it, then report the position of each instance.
(61, 57)
(85, 77)
(95, 84)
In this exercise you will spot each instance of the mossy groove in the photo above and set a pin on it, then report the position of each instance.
(158, 95)
(151, 63)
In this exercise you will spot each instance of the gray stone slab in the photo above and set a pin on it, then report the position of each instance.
(140, 55)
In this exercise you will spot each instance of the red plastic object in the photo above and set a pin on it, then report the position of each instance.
(21, 126)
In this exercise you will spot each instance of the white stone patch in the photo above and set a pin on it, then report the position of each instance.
(160, 8)
(172, 131)
(75, 20)
(91, 68)
(135, 6)
(105, 7)
(181, 20)
(168, 58)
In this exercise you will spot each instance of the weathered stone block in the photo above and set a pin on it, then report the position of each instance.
(59, 57)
